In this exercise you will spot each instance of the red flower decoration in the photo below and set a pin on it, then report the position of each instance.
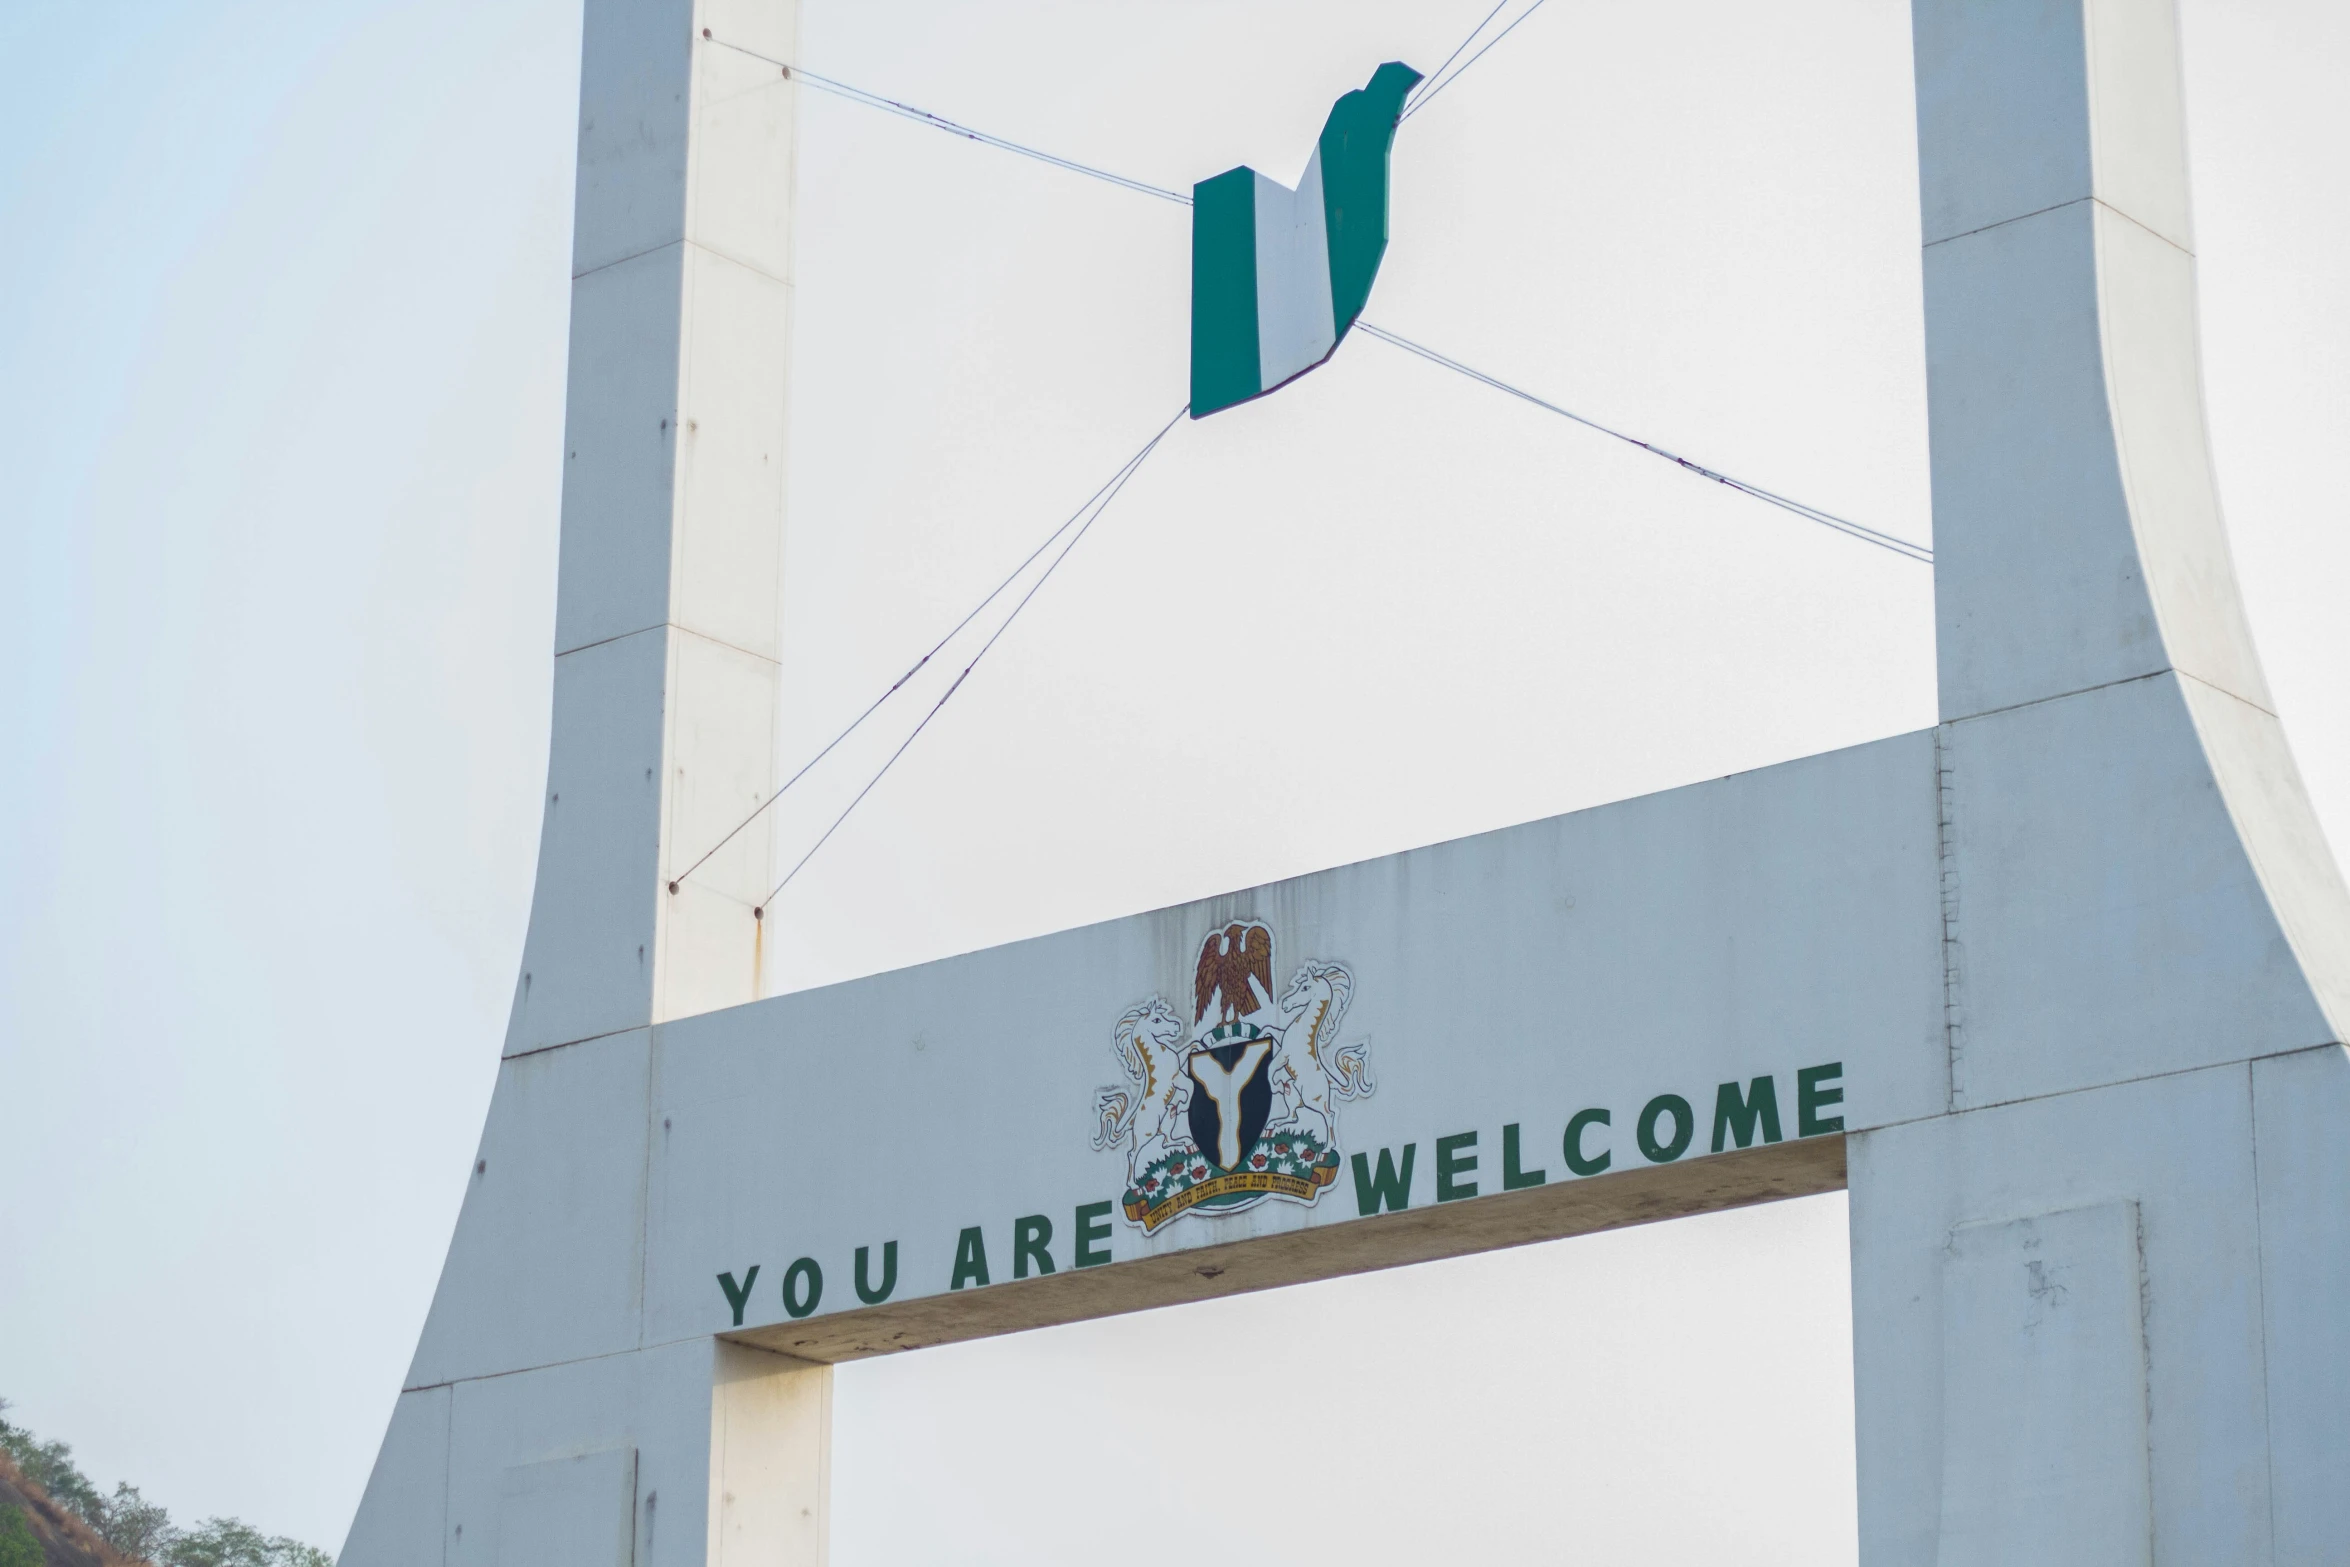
(1199, 1172)
(1258, 1161)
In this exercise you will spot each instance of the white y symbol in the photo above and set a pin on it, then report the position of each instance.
(1224, 1088)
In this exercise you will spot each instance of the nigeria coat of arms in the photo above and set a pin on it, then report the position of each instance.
(1240, 1104)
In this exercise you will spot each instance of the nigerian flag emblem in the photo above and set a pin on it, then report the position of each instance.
(1278, 275)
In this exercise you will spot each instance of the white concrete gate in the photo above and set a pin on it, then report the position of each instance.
(2057, 987)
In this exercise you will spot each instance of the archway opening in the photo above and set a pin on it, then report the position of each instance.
(1677, 1391)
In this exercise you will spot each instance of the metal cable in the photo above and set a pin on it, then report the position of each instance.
(1421, 100)
(1809, 513)
(1456, 53)
(1112, 488)
(874, 706)
(874, 100)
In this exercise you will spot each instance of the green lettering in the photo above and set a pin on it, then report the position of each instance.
(802, 1278)
(1735, 1114)
(1813, 1095)
(1684, 1128)
(970, 1259)
(1387, 1189)
(1451, 1164)
(738, 1295)
(1513, 1178)
(1030, 1237)
(1093, 1224)
(1574, 1143)
(889, 1274)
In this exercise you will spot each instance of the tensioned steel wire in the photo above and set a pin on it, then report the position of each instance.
(1438, 74)
(939, 122)
(1438, 81)
(1809, 513)
(1443, 76)
(1084, 517)
(1107, 494)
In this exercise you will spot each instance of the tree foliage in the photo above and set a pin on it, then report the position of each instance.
(136, 1527)
(132, 1525)
(226, 1542)
(50, 1466)
(18, 1548)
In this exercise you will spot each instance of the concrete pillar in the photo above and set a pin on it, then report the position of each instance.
(666, 633)
(2098, 1227)
(538, 1423)
(2084, 1322)
(691, 1454)
(770, 1460)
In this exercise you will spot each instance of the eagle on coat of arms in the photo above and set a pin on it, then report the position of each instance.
(1240, 1104)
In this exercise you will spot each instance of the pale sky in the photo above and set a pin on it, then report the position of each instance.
(282, 339)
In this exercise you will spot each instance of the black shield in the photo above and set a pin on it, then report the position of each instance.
(1255, 1096)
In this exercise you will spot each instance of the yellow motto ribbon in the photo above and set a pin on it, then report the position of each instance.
(1150, 1217)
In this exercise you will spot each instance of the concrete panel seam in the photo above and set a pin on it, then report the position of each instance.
(2098, 1088)
(2297, 1050)
(2260, 1288)
(644, 1189)
(1875, 1127)
(2232, 696)
(2146, 1349)
(617, 636)
(2061, 696)
(1953, 1018)
(2040, 212)
(645, 1347)
(448, 1462)
(566, 1044)
(733, 260)
(2020, 217)
(634, 255)
(671, 625)
(2215, 1066)
(548, 1365)
(2134, 223)
(704, 636)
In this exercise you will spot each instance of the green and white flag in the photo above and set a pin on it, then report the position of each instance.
(1278, 275)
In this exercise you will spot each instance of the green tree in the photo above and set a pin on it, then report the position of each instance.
(230, 1542)
(18, 1548)
(134, 1526)
(220, 1542)
(50, 1466)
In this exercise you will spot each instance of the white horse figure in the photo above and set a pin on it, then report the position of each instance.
(1149, 1107)
(1309, 1067)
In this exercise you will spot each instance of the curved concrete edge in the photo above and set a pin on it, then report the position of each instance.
(2080, 544)
(2257, 776)
(2109, 1038)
